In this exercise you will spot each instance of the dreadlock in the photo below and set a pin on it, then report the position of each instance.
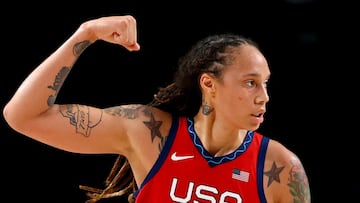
(183, 97)
(120, 181)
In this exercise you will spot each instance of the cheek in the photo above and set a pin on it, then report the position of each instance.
(230, 97)
(234, 102)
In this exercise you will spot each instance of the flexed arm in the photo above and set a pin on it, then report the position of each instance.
(32, 110)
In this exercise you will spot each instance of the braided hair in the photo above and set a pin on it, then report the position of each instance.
(183, 97)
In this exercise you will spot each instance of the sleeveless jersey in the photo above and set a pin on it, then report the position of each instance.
(186, 172)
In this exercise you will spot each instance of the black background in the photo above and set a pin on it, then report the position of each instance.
(311, 110)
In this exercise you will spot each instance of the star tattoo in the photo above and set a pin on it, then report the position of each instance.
(154, 127)
(273, 173)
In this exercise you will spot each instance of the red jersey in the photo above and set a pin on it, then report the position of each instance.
(186, 172)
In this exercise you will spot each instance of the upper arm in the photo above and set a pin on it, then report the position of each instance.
(81, 129)
(285, 179)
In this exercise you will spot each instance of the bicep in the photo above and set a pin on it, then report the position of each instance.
(77, 128)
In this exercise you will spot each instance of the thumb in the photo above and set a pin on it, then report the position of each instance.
(134, 47)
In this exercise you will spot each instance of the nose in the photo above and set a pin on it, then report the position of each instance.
(263, 96)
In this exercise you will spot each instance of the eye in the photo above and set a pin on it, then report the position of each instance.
(250, 83)
(254, 83)
(266, 83)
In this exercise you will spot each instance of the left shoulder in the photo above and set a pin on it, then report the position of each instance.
(277, 151)
(285, 179)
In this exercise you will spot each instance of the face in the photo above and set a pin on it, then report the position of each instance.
(241, 96)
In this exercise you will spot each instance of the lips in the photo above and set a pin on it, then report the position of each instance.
(258, 118)
(259, 114)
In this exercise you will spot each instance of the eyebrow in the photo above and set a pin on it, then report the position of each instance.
(255, 75)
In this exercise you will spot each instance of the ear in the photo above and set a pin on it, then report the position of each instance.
(207, 83)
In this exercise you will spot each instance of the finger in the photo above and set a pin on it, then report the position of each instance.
(126, 33)
(132, 34)
(129, 32)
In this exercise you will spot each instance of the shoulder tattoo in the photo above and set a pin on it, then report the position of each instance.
(297, 182)
(134, 111)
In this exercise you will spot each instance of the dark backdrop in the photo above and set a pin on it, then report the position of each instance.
(299, 38)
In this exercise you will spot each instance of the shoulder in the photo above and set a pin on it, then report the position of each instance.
(135, 112)
(140, 126)
(145, 130)
(285, 179)
(137, 115)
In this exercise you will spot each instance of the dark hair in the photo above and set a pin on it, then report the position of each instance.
(183, 97)
(209, 55)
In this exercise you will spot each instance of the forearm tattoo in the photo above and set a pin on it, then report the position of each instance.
(133, 111)
(64, 71)
(59, 80)
(80, 47)
(79, 116)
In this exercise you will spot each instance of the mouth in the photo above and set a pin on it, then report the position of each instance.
(259, 114)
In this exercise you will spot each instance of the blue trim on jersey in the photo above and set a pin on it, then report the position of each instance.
(163, 154)
(213, 161)
(260, 169)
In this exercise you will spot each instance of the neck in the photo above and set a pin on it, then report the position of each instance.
(216, 136)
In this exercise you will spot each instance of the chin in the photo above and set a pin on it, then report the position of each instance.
(253, 127)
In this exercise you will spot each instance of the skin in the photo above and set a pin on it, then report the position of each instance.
(231, 106)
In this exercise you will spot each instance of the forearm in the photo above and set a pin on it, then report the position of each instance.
(39, 90)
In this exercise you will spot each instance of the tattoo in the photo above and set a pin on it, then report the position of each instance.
(129, 112)
(80, 47)
(79, 117)
(59, 80)
(133, 111)
(274, 173)
(162, 143)
(206, 109)
(147, 111)
(298, 183)
(154, 127)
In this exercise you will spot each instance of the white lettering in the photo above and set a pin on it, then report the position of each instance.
(202, 192)
(230, 194)
(178, 199)
(204, 196)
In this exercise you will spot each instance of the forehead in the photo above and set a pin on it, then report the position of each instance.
(248, 60)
